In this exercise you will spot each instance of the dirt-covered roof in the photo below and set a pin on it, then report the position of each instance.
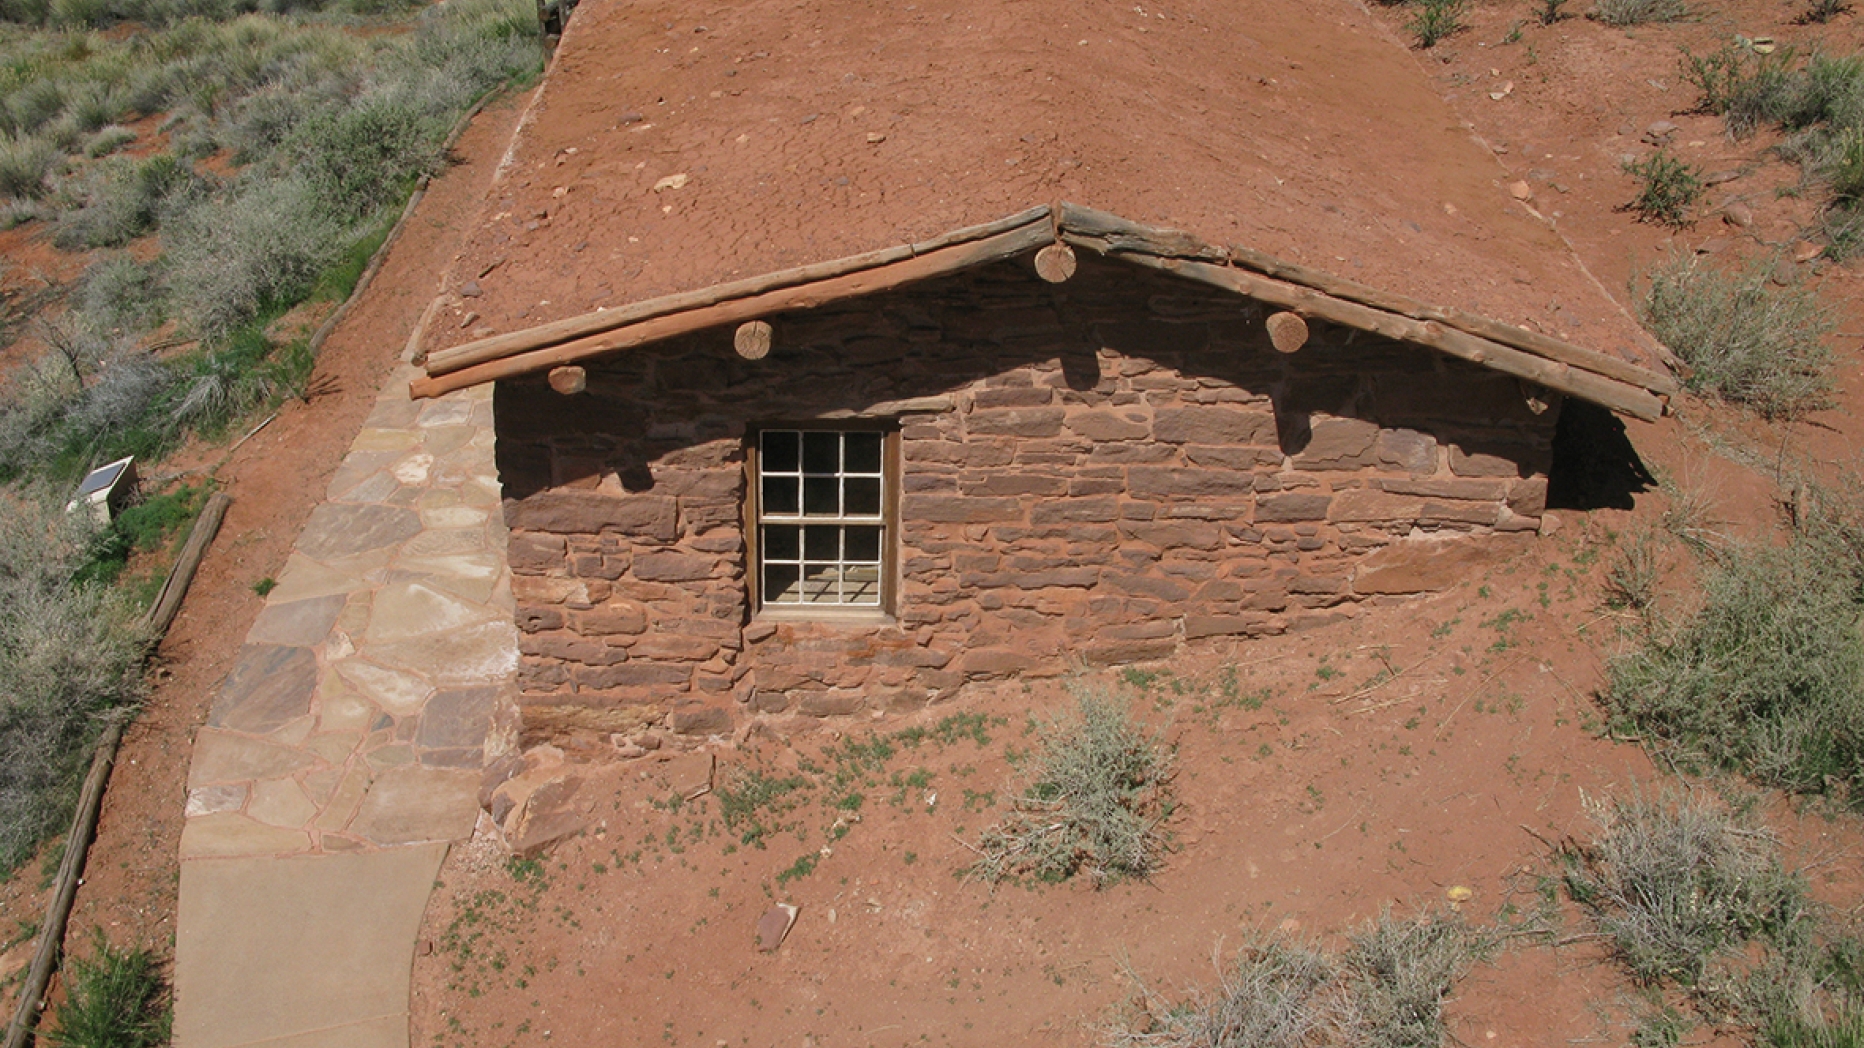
(677, 146)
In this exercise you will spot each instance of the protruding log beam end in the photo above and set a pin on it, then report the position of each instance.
(1287, 331)
(569, 379)
(1055, 263)
(752, 339)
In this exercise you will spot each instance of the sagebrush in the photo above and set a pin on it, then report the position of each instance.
(1384, 990)
(1098, 798)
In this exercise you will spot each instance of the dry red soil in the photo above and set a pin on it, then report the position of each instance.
(1345, 791)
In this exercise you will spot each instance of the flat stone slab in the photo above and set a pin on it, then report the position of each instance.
(316, 950)
(409, 805)
(338, 529)
(270, 686)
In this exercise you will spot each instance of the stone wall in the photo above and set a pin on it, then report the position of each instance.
(1103, 471)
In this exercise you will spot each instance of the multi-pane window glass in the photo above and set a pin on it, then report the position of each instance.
(820, 529)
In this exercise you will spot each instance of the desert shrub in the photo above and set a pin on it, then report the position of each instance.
(1398, 971)
(1744, 339)
(1433, 21)
(115, 998)
(1677, 883)
(123, 199)
(108, 140)
(1098, 796)
(1277, 994)
(34, 104)
(1767, 677)
(118, 293)
(69, 655)
(228, 258)
(1385, 990)
(25, 164)
(146, 527)
(360, 158)
(1667, 189)
(1639, 12)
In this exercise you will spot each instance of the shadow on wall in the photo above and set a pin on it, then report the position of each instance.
(1594, 464)
(1120, 337)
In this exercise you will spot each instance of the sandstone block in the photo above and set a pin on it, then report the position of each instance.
(959, 509)
(1197, 627)
(1528, 497)
(1293, 507)
(1108, 425)
(1364, 505)
(1213, 425)
(699, 720)
(994, 663)
(1168, 482)
(1425, 565)
(674, 567)
(1016, 422)
(530, 551)
(609, 620)
(1484, 464)
(580, 512)
(1408, 450)
(631, 674)
(1338, 443)
(1096, 510)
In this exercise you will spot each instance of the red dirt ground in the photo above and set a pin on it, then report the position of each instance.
(1335, 798)
(275, 479)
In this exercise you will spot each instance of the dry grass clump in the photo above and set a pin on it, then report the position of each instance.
(1385, 990)
(1680, 883)
(1695, 900)
(1098, 797)
(1745, 340)
(1766, 675)
(1639, 12)
(115, 998)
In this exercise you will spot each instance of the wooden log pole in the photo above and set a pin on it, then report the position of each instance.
(939, 262)
(1111, 234)
(1616, 395)
(752, 339)
(64, 889)
(168, 602)
(569, 380)
(1056, 263)
(587, 325)
(1287, 331)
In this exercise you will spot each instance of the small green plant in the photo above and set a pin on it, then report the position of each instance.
(1667, 189)
(1744, 339)
(1631, 582)
(265, 585)
(1638, 12)
(1098, 799)
(1433, 21)
(1819, 12)
(115, 998)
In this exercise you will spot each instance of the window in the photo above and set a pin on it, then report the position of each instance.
(823, 501)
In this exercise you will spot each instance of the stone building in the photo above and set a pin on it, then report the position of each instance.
(837, 436)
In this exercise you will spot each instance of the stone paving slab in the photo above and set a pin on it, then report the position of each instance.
(311, 950)
(345, 748)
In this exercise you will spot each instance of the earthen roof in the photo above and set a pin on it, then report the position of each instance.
(677, 146)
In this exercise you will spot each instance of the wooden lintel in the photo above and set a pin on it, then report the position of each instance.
(937, 262)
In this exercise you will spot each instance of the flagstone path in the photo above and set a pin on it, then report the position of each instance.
(344, 749)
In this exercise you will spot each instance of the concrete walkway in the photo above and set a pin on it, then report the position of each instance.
(344, 750)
